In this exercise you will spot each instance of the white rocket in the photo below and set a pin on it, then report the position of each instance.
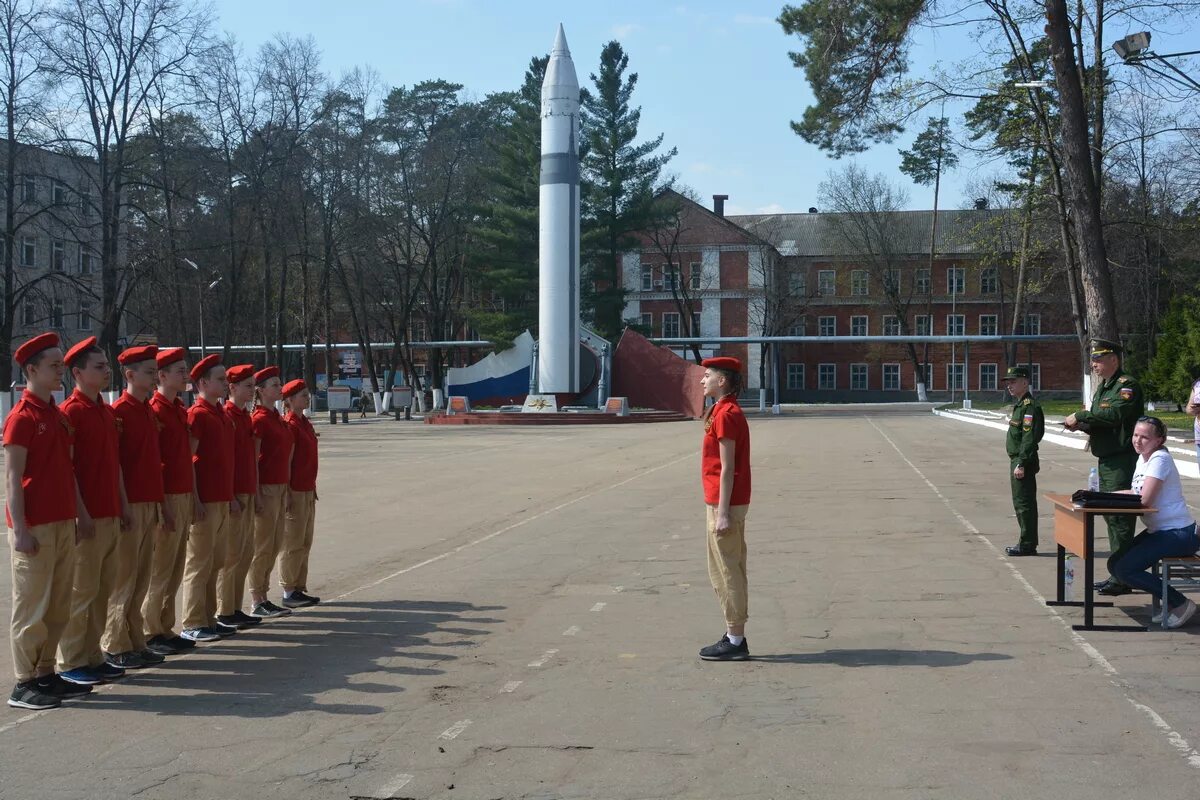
(558, 225)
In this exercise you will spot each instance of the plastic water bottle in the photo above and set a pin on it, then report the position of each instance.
(1069, 566)
(1094, 480)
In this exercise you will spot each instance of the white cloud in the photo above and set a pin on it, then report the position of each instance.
(701, 167)
(625, 30)
(772, 208)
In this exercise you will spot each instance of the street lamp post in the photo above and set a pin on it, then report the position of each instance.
(201, 291)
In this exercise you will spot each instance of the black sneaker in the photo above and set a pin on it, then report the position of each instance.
(238, 620)
(150, 658)
(161, 645)
(268, 610)
(311, 599)
(27, 695)
(179, 643)
(1020, 550)
(128, 660)
(109, 672)
(55, 686)
(200, 635)
(222, 630)
(1113, 589)
(298, 599)
(726, 650)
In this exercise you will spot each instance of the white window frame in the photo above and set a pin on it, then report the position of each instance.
(1035, 377)
(794, 369)
(821, 370)
(1032, 330)
(696, 319)
(927, 319)
(670, 280)
(799, 328)
(647, 279)
(922, 281)
(893, 281)
(860, 283)
(860, 371)
(956, 371)
(28, 251)
(995, 324)
(28, 313)
(58, 255)
(954, 321)
(894, 369)
(862, 319)
(821, 324)
(84, 323)
(671, 319)
(989, 275)
(956, 281)
(695, 275)
(57, 315)
(827, 280)
(798, 284)
(28, 189)
(993, 383)
(58, 193)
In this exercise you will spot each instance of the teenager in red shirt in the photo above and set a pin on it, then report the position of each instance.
(725, 476)
(179, 502)
(231, 579)
(301, 502)
(43, 501)
(98, 559)
(273, 445)
(212, 430)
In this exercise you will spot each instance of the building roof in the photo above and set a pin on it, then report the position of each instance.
(817, 235)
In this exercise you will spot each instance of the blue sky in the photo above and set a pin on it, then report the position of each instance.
(714, 77)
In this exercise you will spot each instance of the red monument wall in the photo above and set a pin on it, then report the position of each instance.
(654, 377)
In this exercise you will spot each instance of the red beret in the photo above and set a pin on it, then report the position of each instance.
(204, 365)
(723, 362)
(264, 375)
(240, 373)
(78, 350)
(293, 387)
(166, 358)
(34, 346)
(135, 355)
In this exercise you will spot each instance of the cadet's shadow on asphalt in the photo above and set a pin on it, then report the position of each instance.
(280, 667)
(883, 658)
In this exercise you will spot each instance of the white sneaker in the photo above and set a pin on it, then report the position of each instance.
(1178, 618)
(1157, 618)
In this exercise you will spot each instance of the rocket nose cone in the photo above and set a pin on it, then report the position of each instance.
(560, 44)
(560, 77)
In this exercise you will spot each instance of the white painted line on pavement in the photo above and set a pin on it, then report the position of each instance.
(454, 730)
(517, 524)
(510, 687)
(388, 790)
(546, 656)
(1173, 737)
(15, 723)
(571, 631)
(599, 606)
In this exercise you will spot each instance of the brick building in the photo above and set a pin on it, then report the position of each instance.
(800, 275)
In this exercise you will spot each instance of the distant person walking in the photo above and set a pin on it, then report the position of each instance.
(1117, 403)
(1025, 430)
(725, 477)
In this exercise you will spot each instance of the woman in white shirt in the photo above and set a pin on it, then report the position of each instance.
(1170, 531)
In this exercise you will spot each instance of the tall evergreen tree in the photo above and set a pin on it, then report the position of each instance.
(621, 178)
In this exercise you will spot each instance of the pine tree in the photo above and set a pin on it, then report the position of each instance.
(621, 178)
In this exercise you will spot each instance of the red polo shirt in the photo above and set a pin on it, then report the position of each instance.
(245, 478)
(49, 478)
(97, 462)
(304, 457)
(173, 443)
(141, 459)
(275, 453)
(726, 422)
(212, 428)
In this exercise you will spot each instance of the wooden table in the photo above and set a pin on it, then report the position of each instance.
(1074, 531)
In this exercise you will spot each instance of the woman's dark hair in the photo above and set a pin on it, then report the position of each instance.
(732, 379)
(1160, 430)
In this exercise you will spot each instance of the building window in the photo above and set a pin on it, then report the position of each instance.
(956, 324)
(988, 325)
(799, 327)
(28, 252)
(827, 376)
(928, 381)
(891, 325)
(858, 325)
(827, 326)
(891, 377)
(418, 332)
(860, 282)
(670, 325)
(670, 277)
(87, 261)
(1035, 377)
(924, 325)
(647, 279)
(826, 286)
(989, 280)
(858, 377)
(58, 256)
(921, 281)
(956, 280)
(892, 281)
(1032, 326)
(696, 274)
(987, 376)
(28, 313)
(85, 202)
(647, 321)
(28, 189)
(695, 324)
(954, 377)
(56, 315)
(85, 316)
(58, 194)
(798, 284)
(795, 376)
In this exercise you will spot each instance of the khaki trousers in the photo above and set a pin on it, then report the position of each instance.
(166, 570)
(297, 541)
(239, 547)
(268, 537)
(97, 566)
(727, 564)
(126, 625)
(41, 602)
(205, 555)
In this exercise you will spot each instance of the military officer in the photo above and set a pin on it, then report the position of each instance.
(1117, 403)
(1025, 429)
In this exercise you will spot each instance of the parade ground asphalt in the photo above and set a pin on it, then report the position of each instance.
(515, 613)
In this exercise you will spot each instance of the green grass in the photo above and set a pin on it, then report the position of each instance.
(1176, 420)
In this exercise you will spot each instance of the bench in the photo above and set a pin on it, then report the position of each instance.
(1178, 572)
